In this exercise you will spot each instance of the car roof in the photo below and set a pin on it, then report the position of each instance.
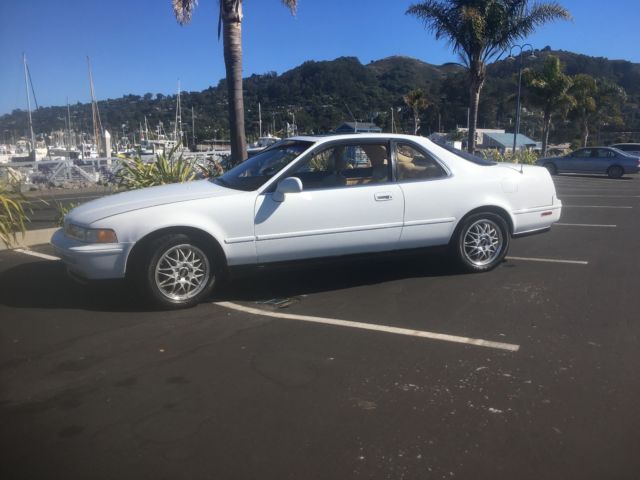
(357, 136)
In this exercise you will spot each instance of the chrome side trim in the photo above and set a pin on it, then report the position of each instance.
(229, 241)
(433, 221)
(309, 233)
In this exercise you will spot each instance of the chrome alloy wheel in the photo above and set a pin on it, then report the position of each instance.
(182, 272)
(483, 242)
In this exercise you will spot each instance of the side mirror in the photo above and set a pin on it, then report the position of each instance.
(287, 185)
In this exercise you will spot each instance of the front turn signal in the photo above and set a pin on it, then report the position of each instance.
(101, 235)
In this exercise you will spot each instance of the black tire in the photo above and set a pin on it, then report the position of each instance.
(551, 167)
(178, 271)
(615, 171)
(481, 242)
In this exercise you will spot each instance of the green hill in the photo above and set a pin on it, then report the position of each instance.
(320, 95)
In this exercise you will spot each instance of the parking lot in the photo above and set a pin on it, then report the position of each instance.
(393, 367)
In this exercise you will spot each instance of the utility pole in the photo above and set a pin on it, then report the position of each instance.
(511, 58)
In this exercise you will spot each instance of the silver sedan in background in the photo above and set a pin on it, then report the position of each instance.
(603, 160)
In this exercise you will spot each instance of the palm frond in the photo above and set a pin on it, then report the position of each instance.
(439, 19)
(291, 5)
(525, 24)
(183, 10)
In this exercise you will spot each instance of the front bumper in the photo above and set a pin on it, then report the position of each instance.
(92, 261)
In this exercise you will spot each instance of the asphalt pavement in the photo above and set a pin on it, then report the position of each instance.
(378, 368)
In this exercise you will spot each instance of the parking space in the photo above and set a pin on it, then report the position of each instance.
(100, 388)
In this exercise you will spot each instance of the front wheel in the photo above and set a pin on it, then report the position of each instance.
(178, 272)
(482, 242)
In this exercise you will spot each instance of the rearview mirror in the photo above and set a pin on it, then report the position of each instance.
(287, 185)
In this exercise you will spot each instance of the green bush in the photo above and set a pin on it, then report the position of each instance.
(166, 168)
(13, 214)
(528, 157)
(62, 210)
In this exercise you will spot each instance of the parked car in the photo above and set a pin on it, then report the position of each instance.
(603, 160)
(628, 148)
(308, 197)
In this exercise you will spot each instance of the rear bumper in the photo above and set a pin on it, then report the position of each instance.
(536, 220)
(91, 261)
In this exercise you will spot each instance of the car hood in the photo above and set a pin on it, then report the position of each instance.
(145, 198)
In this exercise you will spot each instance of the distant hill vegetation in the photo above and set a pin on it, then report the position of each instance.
(318, 96)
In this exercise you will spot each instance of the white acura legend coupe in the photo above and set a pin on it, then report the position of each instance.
(308, 197)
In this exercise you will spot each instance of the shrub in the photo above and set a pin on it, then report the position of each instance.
(166, 168)
(62, 210)
(13, 215)
(528, 157)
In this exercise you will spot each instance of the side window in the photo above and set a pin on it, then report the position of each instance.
(345, 166)
(582, 153)
(414, 165)
(601, 153)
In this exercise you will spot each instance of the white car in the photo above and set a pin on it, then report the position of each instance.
(308, 197)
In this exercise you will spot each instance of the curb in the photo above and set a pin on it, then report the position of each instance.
(30, 238)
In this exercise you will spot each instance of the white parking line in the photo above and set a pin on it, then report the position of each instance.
(36, 254)
(600, 196)
(595, 225)
(549, 260)
(595, 206)
(368, 326)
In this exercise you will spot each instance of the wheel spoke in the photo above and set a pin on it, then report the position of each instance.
(182, 272)
(482, 242)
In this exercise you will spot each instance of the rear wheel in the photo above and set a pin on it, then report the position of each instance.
(551, 167)
(615, 171)
(179, 271)
(482, 242)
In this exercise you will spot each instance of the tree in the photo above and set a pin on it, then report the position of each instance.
(479, 31)
(549, 91)
(418, 103)
(596, 101)
(230, 23)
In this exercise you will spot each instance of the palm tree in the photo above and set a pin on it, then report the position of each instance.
(230, 24)
(595, 101)
(418, 103)
(479, 31)
(549, 91)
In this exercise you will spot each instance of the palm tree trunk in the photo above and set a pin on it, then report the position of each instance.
(416, 125)
(232, 39)
(474, 101)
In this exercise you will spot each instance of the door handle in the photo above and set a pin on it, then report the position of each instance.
(383, 197)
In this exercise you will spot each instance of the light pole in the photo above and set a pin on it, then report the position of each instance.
(527, 47)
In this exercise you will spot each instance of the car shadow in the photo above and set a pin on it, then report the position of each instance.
(45, 284)
(261, 284)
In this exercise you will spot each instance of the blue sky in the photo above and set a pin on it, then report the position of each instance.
(137, 47)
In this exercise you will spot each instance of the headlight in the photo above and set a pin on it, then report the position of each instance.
(90, 235)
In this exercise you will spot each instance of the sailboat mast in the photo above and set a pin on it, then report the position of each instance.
(26, 85)
(193, 127)
(177, 130)
(94, 111)
(68, 127)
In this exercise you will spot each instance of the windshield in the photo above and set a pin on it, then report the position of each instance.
(253, 173)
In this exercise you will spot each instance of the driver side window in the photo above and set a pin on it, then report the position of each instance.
(345, 166)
